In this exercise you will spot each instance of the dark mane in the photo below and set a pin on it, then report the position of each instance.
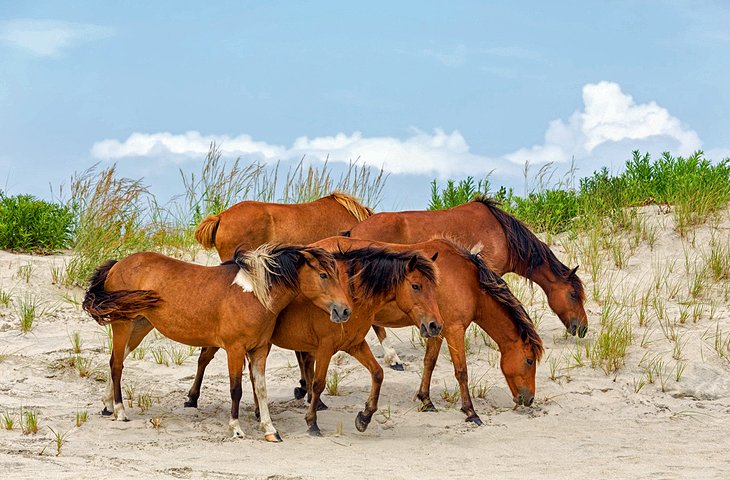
(493, 285)
(526, 251)
(379, 271)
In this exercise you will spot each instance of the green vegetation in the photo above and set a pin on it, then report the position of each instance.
(31, 225)
(692, 187)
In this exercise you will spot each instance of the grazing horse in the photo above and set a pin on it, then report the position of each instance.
(231, 306)
(374, 276)
(469, 291)
(249, 224)
(508, 246)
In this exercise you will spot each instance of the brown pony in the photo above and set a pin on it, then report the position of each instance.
(469, 292)
(231, 306)
(508, 246)
(374, 276)
(250, 224)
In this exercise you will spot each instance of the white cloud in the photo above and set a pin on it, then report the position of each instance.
(609, 116)
(189, 144)
(610, 125)
(455, 58)
(49, 37)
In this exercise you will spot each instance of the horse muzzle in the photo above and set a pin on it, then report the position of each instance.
(577, 327)
(339, 313)
(429, 328)
(524, 397)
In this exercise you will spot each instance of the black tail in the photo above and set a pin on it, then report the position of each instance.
(106, 307)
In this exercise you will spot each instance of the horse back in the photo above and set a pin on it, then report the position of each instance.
(250, 224)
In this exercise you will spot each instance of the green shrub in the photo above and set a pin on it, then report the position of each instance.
(29, 224)
(456, 194)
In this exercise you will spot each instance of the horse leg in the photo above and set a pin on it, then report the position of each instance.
(307, 367)
(256, 412)
(321, 364)
(206, 355)
(390, 356)
(455, 341)
(140, 328)
(120, 335)
(236, 359)
(301, 390)
(257, 366)
(364, 355)
(433, 347)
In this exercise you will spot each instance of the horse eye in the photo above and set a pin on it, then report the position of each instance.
(322, 275)
(415, 286)
(574, 295)
(529, 361)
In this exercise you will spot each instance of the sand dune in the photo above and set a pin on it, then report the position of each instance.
(584, 423)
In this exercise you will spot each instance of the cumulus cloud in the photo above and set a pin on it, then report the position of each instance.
(609, 116)
(606, 129)
(49, 37)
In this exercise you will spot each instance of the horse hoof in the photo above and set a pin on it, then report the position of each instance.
(106, 413)
(322, 406)
(273, 437)
(361, 422)
(427, 407)
(299, 393)
(191, 403)
(238, 433)
(398, 367)
(313, 431)
(475, 420)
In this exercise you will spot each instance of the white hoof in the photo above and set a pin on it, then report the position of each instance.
(119, 413)
(235, 427)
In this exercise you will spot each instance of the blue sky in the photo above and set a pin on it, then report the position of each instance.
(424, 89)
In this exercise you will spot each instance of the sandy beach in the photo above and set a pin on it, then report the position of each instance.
(637, 422)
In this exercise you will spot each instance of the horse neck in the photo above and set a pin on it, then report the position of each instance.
(542, 275)
(281, 297)
(494, 318)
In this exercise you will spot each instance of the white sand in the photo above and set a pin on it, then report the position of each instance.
(584, 424)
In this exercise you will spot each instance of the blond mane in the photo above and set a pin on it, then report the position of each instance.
(351, 204)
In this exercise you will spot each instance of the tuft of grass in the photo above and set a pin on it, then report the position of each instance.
(29, 309)
(60, 439)
(77, 343)
(144, 402)
(29, 421)
(83, 365)
(81, 417)
(25, 272)
(129, 391)
(608, 349)
(451, 396)
(332, 383)
(4, 298)
(160, 355)
(8, 421)
(178, 354)
(110, 221)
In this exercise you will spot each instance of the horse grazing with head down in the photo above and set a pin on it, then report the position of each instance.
(373, 276)
(249, 224)
(469, 291)
(508, 246)
(231, 306)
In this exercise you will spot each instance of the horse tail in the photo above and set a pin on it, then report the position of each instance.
(353, 207)
(205, 233)
(106, 307)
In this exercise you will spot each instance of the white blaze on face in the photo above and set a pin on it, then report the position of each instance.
(244, 281)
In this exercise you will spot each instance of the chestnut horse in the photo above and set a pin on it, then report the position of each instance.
(469, 291)
(250, 224)
(231, 306)
(374, 277)
(508, 246)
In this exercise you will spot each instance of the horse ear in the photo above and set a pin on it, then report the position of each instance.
(412, 263)
(304, 257)
(572, 272)
(435, 256)
(523, 335)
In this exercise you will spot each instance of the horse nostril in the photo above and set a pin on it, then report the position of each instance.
(434, 327)
(582, 330)
(346, 313)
